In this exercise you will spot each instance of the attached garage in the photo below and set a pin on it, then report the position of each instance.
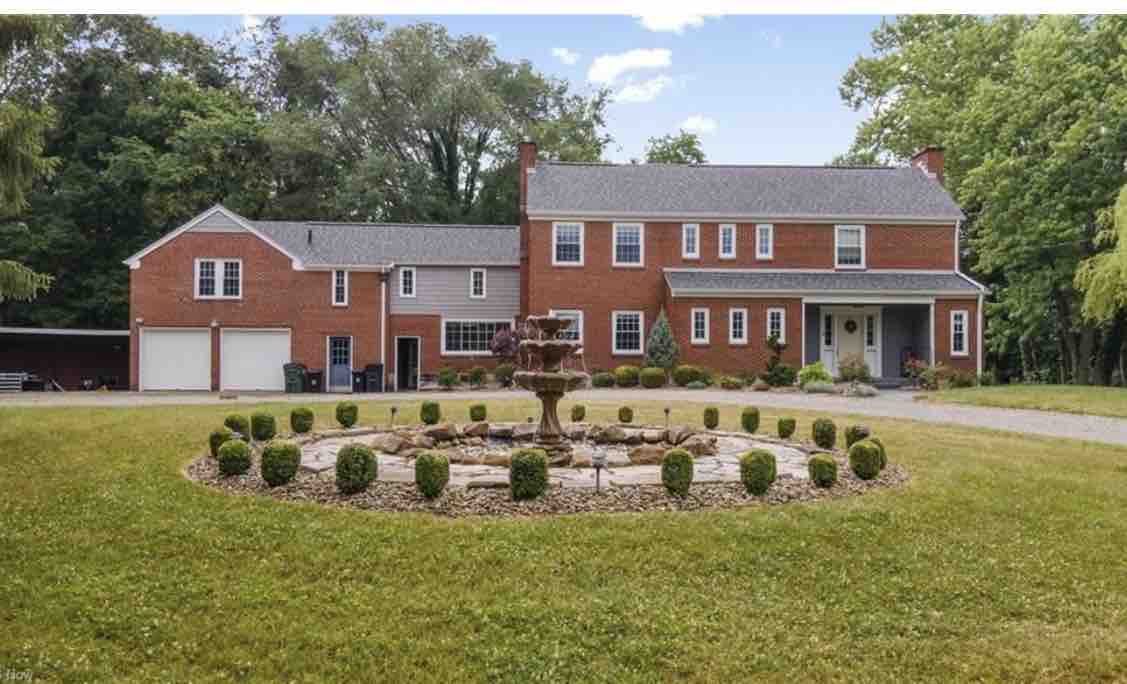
(175, 359)
(252, 359)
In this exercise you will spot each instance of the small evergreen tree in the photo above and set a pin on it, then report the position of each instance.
(661, 348)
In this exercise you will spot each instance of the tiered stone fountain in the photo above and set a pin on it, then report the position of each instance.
(548, 381)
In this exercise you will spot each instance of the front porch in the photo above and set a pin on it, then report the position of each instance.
(886, 336)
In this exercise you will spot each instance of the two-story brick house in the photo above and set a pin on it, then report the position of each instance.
(835, 261)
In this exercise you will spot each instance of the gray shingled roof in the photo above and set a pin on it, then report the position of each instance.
(768, 192)
(364, 244)
(688, 282)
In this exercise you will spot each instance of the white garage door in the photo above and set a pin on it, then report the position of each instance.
(253, 359)
(174, 359)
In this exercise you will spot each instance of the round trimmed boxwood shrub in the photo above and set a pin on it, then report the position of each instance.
(347, 413)
(578, 413)
(749, 419)
(652, 378)
(528, 474)
(677, 471)
(757, 471)
(503, 374)
(731, 382)
(356, 468)
(602, 379)
(626, 376)
(430, 412)
(823, 470)
(234, 457)
(432, 472)
(477, 412)
(697, 384)
(238, 424)
(786, 427)
(301, 420)
(280, 459)
(825, 433)
(685, 374)
(711, 417)
(262, 426)
(477, 376)
(217, 438)
(626, 415)
(864, 459)
(854, 434)
(883, 454)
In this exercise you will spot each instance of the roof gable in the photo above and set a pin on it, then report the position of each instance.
(215, 219)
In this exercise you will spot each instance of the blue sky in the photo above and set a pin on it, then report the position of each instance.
(758, 89)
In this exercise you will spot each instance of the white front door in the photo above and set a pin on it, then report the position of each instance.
(253, 359)
(850, 331)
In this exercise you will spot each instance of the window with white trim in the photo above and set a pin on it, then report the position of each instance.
(777, 324)
(764, 241)
(340, 288)
(470, 338)
(627, 326)
(959, 333)
(477, 283)
(849, 246)
(700, 326)
(690, 241)
(219, 278)
(737, 326)
(567, 244)
(726, 239)
(407, 281)
(629, 244)
(574, 332)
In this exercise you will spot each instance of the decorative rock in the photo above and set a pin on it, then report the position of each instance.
(472, 458)
(501, 430)
(653, 436)
(488, 482)
(575, 431)
(388, 443)
(633, 437)
(524, 432)
(700, 445)
(647, 454)
(559, 459)
(581, 458)
(617, 459)
(442, 432)
(498, 458)
(611, 434)
(679, 433)
(476, 430)
(411, 453)
(422, 442)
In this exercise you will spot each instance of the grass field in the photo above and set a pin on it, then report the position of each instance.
(1097, 401)
(1002, 560)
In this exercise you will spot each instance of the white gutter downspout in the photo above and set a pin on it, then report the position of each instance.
(978, 346)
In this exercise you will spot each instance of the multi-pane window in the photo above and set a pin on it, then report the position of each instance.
(870, 331)
(477, 283)
(573, 332)
(700, 326)
(628, 249)
(627, 332)
(828, 331)
(727, 241)
(470, 337)
(737, 326)
(219, 279)
(407, 281)
(764, 241)
(690, 240)
(340, 288)
(777, 324)
(849, 246)
(567, 244)
(958, 333)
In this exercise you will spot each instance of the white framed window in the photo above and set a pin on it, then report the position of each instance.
(737, 326)
(470, 337)
(629, 244)
(567, 244)
(219, 278)
(690, 241)
(477, 283)
(700, 326)
(849, 246)
(340, 288)
(959, 320)
(777, 323)
(407, 281)
(726, 239)
(627, 327)
(764, 241)
(574, 331)
(870, 332)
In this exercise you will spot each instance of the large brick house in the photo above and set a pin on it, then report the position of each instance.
(836, 261)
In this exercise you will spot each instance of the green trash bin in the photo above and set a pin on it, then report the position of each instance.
(296, 378)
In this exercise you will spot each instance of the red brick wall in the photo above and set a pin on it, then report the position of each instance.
(429, 329)
(161, 292)
(925, 247)
(723, 356)
(943, 309)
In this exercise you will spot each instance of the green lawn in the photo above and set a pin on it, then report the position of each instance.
(1099, 401)
(1002, 560)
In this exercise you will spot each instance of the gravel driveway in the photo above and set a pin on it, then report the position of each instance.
(889, 404)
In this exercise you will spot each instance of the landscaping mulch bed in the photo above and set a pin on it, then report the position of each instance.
(464, 502)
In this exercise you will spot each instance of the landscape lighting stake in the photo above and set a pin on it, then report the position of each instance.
(394, 410)
(598, 461)
(667, 410)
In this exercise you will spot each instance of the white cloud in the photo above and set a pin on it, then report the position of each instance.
(645, 91)
(251, 23)
(701, 125)
(565, 55)
(675, 23)
(606, 68)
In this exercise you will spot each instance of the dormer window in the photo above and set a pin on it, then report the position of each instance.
(219, 278)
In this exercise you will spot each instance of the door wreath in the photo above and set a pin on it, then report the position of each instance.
(851, 326)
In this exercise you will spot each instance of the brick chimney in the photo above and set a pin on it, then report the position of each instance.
(930, 161)
(526, 153)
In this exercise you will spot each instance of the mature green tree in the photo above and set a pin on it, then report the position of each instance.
(680, 148)
(1103, 277)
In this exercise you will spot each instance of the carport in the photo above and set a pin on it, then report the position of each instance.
(65, 359)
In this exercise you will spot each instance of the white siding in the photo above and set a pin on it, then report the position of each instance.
(218, 222)
(445, 290)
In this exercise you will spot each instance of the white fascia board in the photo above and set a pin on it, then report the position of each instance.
(683, 217)
(972, 281)
(134, 261)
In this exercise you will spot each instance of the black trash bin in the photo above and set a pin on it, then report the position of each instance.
(296, 377)
(359, 381)
(316, 380)
(374, 374)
